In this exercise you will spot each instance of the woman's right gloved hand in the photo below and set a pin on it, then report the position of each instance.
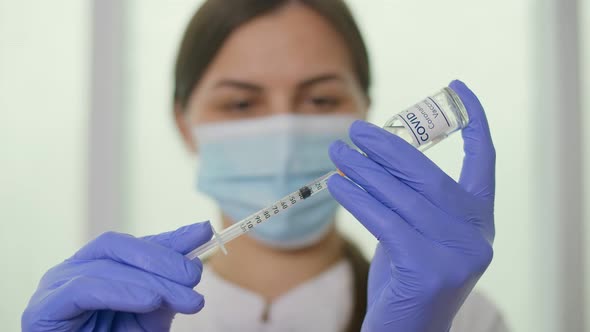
(121, 283)
(435, 235)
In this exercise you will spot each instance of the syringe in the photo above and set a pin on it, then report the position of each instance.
(247, 224)
(422, 125)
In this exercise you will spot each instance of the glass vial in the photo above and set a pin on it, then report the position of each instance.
(431, 120)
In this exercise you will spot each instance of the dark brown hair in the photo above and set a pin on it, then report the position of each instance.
(217, 19)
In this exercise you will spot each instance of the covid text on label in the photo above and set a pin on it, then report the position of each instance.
(418, 127)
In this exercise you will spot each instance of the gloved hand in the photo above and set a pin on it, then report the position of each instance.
(435, 235)
(121, 283)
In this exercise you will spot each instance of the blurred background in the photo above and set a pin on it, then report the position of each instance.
(88, 144)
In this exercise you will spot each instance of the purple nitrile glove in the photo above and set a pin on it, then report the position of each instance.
(435, 235)
(121, 283)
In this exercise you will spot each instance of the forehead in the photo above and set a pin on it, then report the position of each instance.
(286, 45)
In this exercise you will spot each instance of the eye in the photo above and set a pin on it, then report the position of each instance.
(242, 104)
(239, 105)
(324, 102)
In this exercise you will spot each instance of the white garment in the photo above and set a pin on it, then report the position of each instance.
(322, 304)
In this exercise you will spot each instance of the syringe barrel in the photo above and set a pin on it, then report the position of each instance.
(431, 120)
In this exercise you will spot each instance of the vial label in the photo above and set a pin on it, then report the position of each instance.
(425, 120)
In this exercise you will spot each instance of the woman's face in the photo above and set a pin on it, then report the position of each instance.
(290, 61)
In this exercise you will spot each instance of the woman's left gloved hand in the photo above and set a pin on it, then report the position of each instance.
(435, 235)
(118, 282)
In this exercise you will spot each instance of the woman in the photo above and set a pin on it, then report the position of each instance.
(284, 79)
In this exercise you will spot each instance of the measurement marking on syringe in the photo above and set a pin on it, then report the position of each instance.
(303, 193)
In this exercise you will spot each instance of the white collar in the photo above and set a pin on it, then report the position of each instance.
(323, 303)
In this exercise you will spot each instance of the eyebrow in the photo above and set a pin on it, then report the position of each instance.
(238, 84)
(319, 79)
(257, 88)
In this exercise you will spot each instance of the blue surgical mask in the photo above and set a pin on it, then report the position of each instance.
(247, 165)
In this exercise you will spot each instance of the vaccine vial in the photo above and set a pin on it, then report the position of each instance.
(431, 120)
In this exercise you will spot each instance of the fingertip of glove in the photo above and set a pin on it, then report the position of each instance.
(197, 303)
(461, 89)
(203, 229)
(360, 128)
(458, 84)
(206, 226)
(335, 148)
(190, 228)
(188, 237)
(201, 303)
(342, 155)
(332, 184)
(332, 179)
(365, 135)
(466, 95)
(335, 183)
